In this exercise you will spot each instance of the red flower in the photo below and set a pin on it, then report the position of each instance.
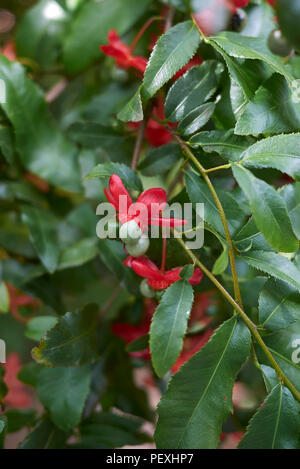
(191, 346)
(272, 3)
(122, 53)
(230, 440)
(16, 396)
(157, 279)
(240, 3)
(146, 210)
(129, 332)
(17, 299)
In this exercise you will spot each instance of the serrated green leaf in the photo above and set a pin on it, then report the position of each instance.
(172, 51)
(279, 305)
(192, 89)
(71, 342)
(269, 211)
(43, 234)
(198, 399)
(223, 142)
(129, 177)
(273, 264)
(239, 46)
(63, 392)
(169, 326)
(281, 152)
(276, 425)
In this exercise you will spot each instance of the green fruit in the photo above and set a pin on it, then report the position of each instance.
(278, 44)
(288, 13)
(138, 249)
(130, 232)
(146, 290)
(239, 20)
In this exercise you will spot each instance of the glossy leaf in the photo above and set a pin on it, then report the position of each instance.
(133, 110)
(191, 90)
(269, 211)
(169, 326)
(291, 195)
(198, 399)
(172, 51)
(196, 119)
(105, 170)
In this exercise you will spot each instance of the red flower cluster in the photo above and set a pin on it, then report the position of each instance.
(157, 279)
(122, 53)
(145, 211)
(16, 396)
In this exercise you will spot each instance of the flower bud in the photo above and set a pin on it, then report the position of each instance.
(138, 249)
(146, 290)
(130, 232)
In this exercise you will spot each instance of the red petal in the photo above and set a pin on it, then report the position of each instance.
(173, 275)
(143, 267)
(139, 63)
(117, 189)
(113, 36)
(196, 277)
(153, 196)
(112, 51)
(109, 197)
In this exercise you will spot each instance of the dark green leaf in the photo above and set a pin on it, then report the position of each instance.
(291, 195)
(160, 160)
(269, 211)
(63, 392)
(44, 436)
(71, 342)
(169, 326)
(279, 305)
(196, 119)
(276, 425)
(129, 177)
(198, 399)
(172, 51)
(19, 418)
(192, 89)
(133, 110)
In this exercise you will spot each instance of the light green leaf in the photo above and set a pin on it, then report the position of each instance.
(169, 326)
(37, 327)
(199, 396)
(269, 211)
(4, 298)
(172, 51)
(79, 253)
